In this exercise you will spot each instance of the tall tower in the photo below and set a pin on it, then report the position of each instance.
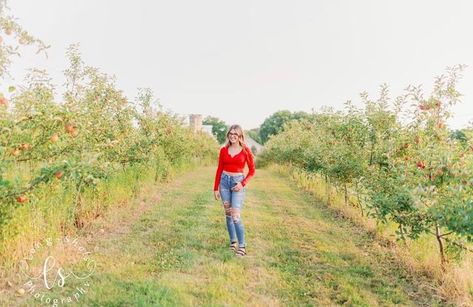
(195, 122)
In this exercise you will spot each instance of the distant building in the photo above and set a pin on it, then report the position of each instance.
(195, 123)
(253, 145)
(208, 129)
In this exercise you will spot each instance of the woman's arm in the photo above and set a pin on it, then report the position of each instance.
(218, 174)
(251, 166)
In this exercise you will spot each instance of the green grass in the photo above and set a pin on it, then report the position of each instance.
(299, 253)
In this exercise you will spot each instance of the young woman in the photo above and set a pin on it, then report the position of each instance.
(230, 184)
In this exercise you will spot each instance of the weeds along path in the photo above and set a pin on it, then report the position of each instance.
(173, 250)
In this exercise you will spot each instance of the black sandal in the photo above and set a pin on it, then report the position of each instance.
(233, 246)
(241, 252)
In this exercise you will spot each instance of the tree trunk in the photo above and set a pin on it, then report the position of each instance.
(345, 190)
(359, 204)
(438, 235)
(78, 223)
(371, 154)
(401, 231)
(328, 190)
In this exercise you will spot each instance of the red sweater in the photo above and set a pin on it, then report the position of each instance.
(234, 164)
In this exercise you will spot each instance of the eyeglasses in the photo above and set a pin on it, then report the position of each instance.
(235, 134)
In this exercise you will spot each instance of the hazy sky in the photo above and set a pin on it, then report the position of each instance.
(243, 60)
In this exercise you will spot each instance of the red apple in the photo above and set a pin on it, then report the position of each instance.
(424, 107)
(69, 127)
(54, 138)
(74, 132)
(22, 199)
(25, 146)
(420, 165)
(16, 152)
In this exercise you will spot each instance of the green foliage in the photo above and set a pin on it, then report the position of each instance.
(413, 171)
(82, 142)
(274, 124)
(219, 128)
(459, 135)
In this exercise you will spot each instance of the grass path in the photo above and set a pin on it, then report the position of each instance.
(173, 251)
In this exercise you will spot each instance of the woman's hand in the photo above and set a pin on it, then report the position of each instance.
(217, 195)
(238, 187)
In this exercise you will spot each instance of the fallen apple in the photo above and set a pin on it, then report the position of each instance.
(69, 127)
(16, 152)
(25, 146)
(54, 138)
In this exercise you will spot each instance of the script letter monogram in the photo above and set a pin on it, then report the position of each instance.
(49, 264)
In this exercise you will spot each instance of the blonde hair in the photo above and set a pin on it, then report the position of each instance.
(241, 138)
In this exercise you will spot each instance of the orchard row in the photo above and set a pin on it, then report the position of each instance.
(92, 134)
(394, 159)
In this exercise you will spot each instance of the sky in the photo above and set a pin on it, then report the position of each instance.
(241, 61)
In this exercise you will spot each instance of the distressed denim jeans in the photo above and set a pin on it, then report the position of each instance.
(233, 200)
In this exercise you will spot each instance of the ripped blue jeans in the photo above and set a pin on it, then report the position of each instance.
(233, 203)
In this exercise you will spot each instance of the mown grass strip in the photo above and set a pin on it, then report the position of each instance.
(300, 253)
(325, 260)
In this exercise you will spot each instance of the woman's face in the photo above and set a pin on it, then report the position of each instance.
(233, 136)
